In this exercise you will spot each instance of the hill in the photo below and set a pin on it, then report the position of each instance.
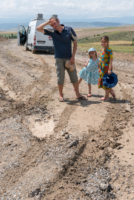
(113, 36)
(13, 26)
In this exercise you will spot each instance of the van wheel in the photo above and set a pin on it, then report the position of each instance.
(33, 51)
(26, 48)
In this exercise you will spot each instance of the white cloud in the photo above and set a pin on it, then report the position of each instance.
(76, 9)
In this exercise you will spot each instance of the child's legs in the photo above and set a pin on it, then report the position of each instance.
(111, 91)
(106, 97)
(107, 94)
(79, 81)
(89, 88)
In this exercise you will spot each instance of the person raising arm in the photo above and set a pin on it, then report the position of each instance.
(62, 38)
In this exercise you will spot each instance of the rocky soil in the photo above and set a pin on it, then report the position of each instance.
(70, 150)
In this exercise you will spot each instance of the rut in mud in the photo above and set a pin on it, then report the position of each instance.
(53, 150)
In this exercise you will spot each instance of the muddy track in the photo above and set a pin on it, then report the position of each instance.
(65, 115)
(53, 150)
(91, 159)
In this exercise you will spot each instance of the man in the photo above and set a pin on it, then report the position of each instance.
(62, 38)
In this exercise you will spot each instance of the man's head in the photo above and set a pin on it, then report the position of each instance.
(55, 17)
(54, 22)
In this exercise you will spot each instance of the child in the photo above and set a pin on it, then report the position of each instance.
(105, 66)
(90, 72)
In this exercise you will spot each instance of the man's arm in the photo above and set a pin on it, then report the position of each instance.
(40, 28)
(50, 22)
(72, 59)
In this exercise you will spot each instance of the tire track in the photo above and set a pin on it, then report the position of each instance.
(65, 115)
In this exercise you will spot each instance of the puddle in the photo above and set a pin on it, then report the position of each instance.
(40, 128)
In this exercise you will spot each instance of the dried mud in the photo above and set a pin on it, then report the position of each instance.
(62, 150)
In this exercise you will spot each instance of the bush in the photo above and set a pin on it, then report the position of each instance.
(133, 42)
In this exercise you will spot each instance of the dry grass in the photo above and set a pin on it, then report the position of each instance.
(81, 33)
(116, 48)
(8, 32)
(113, 43)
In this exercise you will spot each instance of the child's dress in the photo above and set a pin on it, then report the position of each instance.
(104, 66)
(90, 73)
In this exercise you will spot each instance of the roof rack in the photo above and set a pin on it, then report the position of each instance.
(39, 17)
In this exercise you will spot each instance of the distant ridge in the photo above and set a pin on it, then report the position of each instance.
(11, 26)
(14, 26)
(92, 24)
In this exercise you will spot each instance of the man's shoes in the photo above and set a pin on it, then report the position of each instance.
(61, 99)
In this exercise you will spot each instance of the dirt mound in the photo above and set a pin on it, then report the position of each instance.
(3, 39)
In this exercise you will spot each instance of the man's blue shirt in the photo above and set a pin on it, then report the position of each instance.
(62, 41)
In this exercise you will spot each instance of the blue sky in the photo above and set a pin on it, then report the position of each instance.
(67, 10)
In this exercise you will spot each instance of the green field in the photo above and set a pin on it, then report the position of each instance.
(113, 36)
(85, 43)
(9, 35)
(118, 48)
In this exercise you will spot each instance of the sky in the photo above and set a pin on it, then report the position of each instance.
(67, 10)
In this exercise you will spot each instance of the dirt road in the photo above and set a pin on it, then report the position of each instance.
(62, 150)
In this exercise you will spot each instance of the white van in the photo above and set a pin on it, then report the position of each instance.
(34, 40)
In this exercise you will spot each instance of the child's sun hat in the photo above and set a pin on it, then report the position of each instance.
(91, 49)
(110, 81)
(68, 65)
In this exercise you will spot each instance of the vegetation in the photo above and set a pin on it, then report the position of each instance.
(113, 36)
(119, 41)
(133, 41)
(9, 35)
(115, 48)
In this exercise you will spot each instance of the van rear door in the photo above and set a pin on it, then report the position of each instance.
(21, 35)
(43, 40)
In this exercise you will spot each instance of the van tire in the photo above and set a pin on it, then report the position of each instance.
(33, 51)
(27, 48)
